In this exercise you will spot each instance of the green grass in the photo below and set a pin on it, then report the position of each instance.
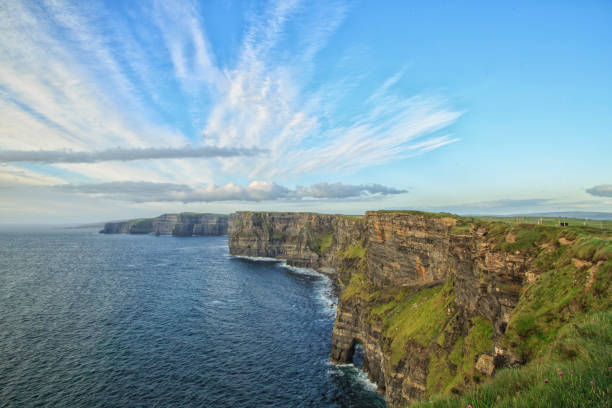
(527, 237)
(326, 241)
(418, 213)
(525, 387)
(595, 249)
(477, 342)
(453, 371)
(358, 287)
(573, 271)
(552, 221)
(418, 317)
(352, 217)
(461, 229)
(563, 321)
(464, 226)
(354, 251)
(319, 241)
(351, 260)
(563, 293)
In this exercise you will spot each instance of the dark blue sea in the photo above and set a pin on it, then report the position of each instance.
(92, 320)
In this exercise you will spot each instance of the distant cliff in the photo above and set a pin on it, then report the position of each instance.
(182, 225)
(439, 302)
(303, 239)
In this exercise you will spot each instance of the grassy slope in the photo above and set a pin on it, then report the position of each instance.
(562, 322)
(319, 241)
(585, 380)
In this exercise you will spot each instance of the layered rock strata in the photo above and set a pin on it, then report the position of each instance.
(305, 240)
(393, 269)
(183, 224)
(408, 255)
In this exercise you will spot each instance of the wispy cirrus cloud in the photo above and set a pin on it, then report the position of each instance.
(11, 176)
(69, 156)
(271, 101)
(93, 77)
(255, 191)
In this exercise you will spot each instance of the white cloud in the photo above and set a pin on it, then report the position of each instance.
(255, 191)
(270, 102)
(11, 176)
(78, 78)
(340, 190)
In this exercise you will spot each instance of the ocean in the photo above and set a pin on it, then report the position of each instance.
(93, 320)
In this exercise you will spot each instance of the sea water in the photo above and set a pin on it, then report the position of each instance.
(93, 320)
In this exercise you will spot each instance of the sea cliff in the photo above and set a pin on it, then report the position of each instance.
(303, 239)
(183, 225)
(439, 302)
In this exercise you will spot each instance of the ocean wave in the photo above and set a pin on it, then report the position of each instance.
(355, 373)
(257, 258)
(324, 289)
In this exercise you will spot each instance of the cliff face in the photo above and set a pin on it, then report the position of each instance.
(438, 302)
(184, 225)
(188, 225)
(304, 239)
(138, 226)
(452, 282)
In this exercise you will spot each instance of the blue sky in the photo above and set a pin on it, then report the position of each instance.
(117, 109)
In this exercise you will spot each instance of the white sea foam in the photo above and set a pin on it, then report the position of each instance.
(301, 271)
(324, 290)
(356, 373)
(256, 258)
(362, 378)
(341, 365)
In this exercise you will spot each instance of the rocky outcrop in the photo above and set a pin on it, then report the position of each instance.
(305, 240)
(416, 289)
(183, 224)
(407, 253)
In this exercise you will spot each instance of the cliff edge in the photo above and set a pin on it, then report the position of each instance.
(439, 302)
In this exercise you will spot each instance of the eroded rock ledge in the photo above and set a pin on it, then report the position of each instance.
(430, 297)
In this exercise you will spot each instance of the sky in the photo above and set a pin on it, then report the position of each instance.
(111, 109)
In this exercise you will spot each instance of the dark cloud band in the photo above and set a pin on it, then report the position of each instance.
(68, 156)
(340, 190)
(602, 190)
(256, 191)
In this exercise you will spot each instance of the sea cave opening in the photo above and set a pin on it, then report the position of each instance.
(357, 354)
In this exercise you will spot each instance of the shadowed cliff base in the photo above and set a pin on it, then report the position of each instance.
(443, 304)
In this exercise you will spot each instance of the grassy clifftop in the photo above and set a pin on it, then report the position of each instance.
(583, 379)
(560, 330)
